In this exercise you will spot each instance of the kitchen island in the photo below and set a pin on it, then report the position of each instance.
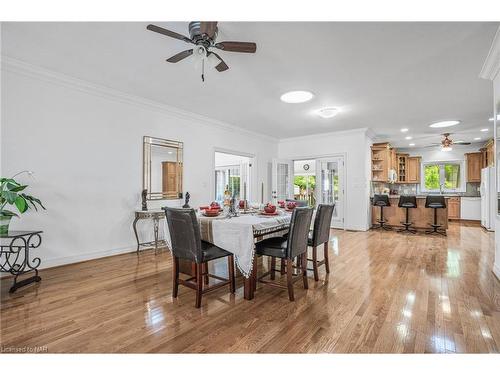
(421, 217)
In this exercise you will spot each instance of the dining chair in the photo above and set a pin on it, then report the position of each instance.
(320, 235)
(187, 244)
(287, 249)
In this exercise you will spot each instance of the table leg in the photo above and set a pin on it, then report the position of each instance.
(250, 281)
(134, 225)
(155, 229)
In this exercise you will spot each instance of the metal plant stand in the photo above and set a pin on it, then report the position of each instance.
(15, 257)
(155, 216)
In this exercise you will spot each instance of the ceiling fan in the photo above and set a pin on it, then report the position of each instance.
(447, 142)
(203, 35)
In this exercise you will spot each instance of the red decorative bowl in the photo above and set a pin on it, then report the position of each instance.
(203, 208)
(291, 205)
(212, 212)
(270, 209)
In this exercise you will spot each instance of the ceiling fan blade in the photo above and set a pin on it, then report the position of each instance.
(208, 28)
(463, 143)
(222, 66)
(180, 56)
(161, 30)
(247, 47)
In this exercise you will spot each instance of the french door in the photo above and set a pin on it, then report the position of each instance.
(330, 186)
(282, 180)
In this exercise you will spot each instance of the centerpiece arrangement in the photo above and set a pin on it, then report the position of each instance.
(11, 193)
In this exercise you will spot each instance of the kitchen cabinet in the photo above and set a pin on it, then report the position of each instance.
(470, 208)
(454, 208)
(474, 165)
(402, 167)
(381, 161)
(413, 170)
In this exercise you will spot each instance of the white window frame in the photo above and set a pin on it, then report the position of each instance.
(462, 176)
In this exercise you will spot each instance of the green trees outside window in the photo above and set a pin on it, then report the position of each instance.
(446, 174)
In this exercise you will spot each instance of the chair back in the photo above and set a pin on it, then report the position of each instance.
(299, 231)
(184, 233)
(322, 223)
(381, 200)
(435, 201)
(407, 201)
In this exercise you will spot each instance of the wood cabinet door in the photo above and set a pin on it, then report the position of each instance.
(454, 208)
(474, 164)
(413, 170)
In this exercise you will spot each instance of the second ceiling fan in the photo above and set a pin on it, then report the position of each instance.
(203, 35)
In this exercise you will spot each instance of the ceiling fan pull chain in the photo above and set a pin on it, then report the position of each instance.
(203, 70)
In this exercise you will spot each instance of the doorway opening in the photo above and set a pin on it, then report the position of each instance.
(304, 181)
(232, 173)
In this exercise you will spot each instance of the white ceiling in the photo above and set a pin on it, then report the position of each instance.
(384, 76)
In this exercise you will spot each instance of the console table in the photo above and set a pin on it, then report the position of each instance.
(156, 216)
(15, 257)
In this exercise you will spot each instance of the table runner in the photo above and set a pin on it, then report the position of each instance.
(239, 234)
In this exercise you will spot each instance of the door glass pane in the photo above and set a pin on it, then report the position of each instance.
(329, 184)
(283, 175)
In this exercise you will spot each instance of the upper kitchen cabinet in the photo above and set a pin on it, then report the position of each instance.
(488, 154)
(413, 169)
(382, 161)
(402, 167)
(474, 165)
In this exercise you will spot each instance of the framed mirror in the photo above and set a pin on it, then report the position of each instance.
(162, 168)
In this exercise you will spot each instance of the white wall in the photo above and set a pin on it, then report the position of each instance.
(355, 145)
(496, 100)
(84, 143)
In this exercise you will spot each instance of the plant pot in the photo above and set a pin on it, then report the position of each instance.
(4, 224)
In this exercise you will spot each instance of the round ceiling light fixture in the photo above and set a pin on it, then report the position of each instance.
(446, 148)
(327, 112)
(299, 96)
(444, 124)
(477, 138)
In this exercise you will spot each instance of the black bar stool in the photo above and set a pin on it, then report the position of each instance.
(381, 200)
(435, 202)
(407, 202)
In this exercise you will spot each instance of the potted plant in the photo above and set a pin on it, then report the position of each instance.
(11, 193)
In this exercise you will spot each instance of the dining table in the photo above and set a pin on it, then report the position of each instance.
(238, 235)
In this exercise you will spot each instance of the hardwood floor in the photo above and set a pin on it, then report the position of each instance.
(386, 293)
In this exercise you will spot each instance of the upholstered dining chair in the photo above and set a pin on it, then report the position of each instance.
(287, 249)
(187, 244)
(321, 235)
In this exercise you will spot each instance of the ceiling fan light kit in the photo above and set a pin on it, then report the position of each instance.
(203, 35)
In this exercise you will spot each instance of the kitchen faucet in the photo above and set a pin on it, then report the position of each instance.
(441, 189)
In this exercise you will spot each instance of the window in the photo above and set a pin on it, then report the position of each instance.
(443, 176)
(229, 177)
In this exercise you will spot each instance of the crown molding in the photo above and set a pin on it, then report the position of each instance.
(34, 71)
(365, 131)
(491, 66)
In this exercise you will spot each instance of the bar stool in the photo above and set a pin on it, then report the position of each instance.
(381, 200)
(407, 202)
(435, 202)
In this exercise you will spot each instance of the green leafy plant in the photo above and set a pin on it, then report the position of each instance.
(12, 194)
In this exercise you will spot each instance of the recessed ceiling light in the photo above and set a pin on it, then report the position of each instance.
(444, 124)
(485, 130)
(491, 118)
(412, 144)
(404, 130)
(170, 152)
(297, 96)
(477, 138)
(408, 138)
(328, 112)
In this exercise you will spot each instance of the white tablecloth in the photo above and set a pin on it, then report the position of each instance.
(238, 234)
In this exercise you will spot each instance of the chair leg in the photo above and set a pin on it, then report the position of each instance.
(315, 263)
(327, 262)
(205, 271)
(303, 266)
(282, 265)
(175, 276)
(230, 269)
(289, 275)
(254, 274)
(273, 267)
(199, 284)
